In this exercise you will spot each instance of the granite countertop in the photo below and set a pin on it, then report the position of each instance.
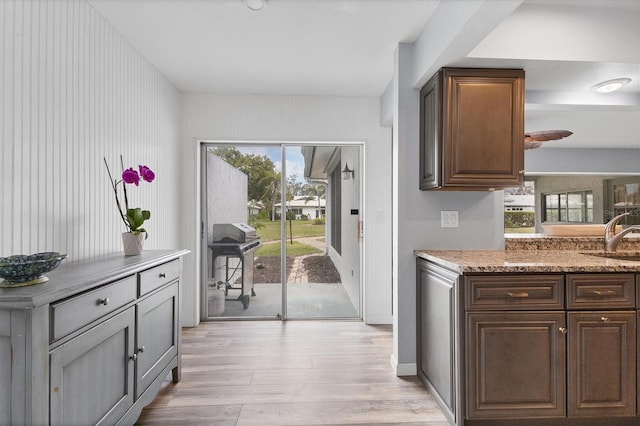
(530, 261)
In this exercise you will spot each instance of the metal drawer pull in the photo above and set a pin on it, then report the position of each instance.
(104, 301)
(141, 349)
(604, 319)
(603, 292)
(518, 294)
(133, 357)
(562, 330)
(162, 275)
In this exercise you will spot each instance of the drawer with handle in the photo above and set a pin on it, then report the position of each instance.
(74, 313)
(606, 291)
(514, 292)
(158, 276)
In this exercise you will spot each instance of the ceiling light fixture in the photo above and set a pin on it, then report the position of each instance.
(611, 85)
(255, 5)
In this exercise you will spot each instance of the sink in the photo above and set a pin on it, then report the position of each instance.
(634, 257)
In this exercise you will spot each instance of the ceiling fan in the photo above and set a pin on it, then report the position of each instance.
(533, 140)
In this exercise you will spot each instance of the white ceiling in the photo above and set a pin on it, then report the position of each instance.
(346, 47)
(318, 47)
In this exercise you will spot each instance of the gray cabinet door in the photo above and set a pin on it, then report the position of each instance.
(157, 335)
(92, 374)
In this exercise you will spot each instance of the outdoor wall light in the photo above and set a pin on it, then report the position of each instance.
(347, 173)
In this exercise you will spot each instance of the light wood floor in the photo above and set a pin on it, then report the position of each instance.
(290, 373)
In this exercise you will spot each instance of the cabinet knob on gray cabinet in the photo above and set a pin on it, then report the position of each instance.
(133, 357)
(162, 275)
(562, 330)
(604, 319)
(104, 301)
(141, 349)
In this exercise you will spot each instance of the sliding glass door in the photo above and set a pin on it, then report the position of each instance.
(280, 231)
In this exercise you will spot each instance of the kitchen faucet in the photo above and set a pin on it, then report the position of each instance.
(611, 239)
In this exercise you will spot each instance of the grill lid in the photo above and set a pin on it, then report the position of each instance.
(233, 233)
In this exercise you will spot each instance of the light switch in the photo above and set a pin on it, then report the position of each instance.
(449, 219)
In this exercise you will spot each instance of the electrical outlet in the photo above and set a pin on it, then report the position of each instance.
(449, 219)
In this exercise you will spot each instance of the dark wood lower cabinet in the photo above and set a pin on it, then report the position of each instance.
(515, 365)
(509, 350)
(602, 364)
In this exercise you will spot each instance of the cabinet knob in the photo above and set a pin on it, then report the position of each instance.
(521, 172)
(604, 319)
(162, 275)
(104, 301)
(141, 349)
(562, 330)
(133, 357)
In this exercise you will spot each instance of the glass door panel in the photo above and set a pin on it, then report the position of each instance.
(242, 186)
(322, 247)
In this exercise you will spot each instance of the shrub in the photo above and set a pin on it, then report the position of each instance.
(519, 219)
(319, 221)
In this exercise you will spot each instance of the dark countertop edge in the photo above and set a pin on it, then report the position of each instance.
(597, 265)
(63, 283)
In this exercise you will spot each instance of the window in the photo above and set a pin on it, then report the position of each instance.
(624, 197)
(576, 206)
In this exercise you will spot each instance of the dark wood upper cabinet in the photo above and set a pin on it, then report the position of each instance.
(472, 129)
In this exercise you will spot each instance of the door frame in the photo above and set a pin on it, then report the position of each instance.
(201, 225)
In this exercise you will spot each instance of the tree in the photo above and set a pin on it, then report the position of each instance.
(259, 169)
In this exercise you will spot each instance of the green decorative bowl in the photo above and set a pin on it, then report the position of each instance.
(21, 270)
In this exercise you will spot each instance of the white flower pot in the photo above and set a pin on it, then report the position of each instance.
(132, 243)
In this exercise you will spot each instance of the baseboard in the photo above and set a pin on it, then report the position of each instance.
(378, 320)
(190, 322)
(403, 369)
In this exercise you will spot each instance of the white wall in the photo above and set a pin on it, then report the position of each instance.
(417, 218)
(226, 194)
(72, 91)
(582, 160)
(348, 261)
(298, 118)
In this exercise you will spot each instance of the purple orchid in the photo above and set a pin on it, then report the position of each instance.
(132, 218)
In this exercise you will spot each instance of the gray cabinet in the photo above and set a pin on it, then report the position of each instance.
(94, 344)
(92, 375)
(156, 335)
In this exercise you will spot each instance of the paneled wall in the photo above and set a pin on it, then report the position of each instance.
(73, 91)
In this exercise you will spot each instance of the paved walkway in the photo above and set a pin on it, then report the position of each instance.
(298, 274)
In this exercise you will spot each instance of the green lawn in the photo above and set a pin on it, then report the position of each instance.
(295, 249)
(301, 228)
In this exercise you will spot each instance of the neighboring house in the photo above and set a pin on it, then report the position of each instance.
(254, 207)
(305, 205)
(519, 203)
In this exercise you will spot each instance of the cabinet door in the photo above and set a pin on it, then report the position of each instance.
(602, 364)
(515, 365)
(483, 128)
(157, 335)
(436, 332)
(92, 374)
(430, 134)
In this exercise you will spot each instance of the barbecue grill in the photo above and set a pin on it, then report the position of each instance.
(235, 241)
